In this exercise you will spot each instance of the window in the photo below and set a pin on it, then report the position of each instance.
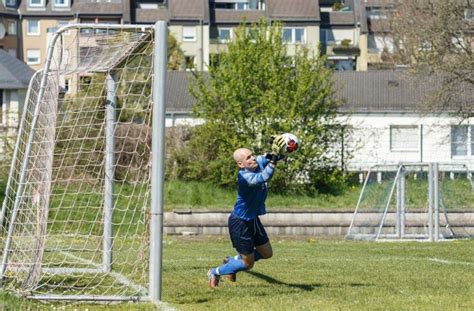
(225, 34)
(147, 6)
(469, 14)
(36, 3)
(61, 3)
(12, 28)
(33, 57)
(341, 64)
(300, 35)
(59, 25)
(404, 138)
(253, 34)
(462, 140)
(189, 62)
(378, 43)
(425, 46)
(10, 2)
(294, 35)
(376, 13)
(33, 27)
(241, 6)
(287, 33)
(458, 42)
(189, 33)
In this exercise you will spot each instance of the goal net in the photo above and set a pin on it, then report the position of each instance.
(75, 219)
(410, 201)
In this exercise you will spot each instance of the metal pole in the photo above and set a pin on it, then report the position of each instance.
(358, 203)
(436, 200)
(157, 161)
(387, 205)
(28, 147)
(400, 204)
(430, 201)
(109, 170)
(17, 147)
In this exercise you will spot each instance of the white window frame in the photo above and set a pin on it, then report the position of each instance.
(405, 147)
(35, 5)
(468, 143)
(38, 56)
(293, 35)
(65, 5)
(188, 35)
(219, 29)
(28, 27)
(12, 28)
(147, 6)
(10, 2)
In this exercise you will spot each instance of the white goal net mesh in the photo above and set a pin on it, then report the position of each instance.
(74, 219)
(406, 201)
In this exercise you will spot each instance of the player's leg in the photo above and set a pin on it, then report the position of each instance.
(263, 248)
(241, 236)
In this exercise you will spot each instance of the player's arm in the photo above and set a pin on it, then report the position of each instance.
(258, 178)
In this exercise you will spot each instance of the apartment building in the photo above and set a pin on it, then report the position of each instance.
(380, 41)
(344, 34)
(202, 27)
(9, 29)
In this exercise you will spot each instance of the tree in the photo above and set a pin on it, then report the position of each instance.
(175, 54)
(256, 90)
(435, 38)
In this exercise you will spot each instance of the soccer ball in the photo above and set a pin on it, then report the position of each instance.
(292, 142)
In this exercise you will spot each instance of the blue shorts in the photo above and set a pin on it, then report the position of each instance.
(246, 234)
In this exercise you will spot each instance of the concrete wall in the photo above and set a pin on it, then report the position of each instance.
(309, 222)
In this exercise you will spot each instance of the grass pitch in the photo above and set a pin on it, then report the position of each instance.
(312, 274)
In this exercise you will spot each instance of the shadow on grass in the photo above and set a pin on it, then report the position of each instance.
(305, 287)
(269, 279)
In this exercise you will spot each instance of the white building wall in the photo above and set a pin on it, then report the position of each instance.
(370, 141)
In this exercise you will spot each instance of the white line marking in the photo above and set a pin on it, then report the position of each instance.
(449, 262)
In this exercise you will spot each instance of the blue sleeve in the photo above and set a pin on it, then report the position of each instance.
(257, 178)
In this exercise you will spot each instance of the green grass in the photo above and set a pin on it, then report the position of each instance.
(312, 274)
(199, 195)
(202, 195)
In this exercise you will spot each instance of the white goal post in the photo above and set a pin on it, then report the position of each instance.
(82, 217)
(409, 201)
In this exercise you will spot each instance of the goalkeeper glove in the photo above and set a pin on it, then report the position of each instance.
(274, 158)
(279, 145)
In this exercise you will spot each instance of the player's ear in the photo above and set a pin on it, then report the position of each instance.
(240, 164)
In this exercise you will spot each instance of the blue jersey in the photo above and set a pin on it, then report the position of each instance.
(253, 190)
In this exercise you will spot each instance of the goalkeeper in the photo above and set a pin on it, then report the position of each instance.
(246, 231)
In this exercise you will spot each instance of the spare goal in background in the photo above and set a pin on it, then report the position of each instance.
(410, 201)
(82, 219)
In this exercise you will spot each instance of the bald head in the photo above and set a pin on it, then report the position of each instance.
(241, 154)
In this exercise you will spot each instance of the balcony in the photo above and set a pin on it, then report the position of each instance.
(342, 48)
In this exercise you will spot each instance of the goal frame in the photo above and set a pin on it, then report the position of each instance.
(398, 192)
(157, 165)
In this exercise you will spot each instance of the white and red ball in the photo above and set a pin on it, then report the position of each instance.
(292, 142)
